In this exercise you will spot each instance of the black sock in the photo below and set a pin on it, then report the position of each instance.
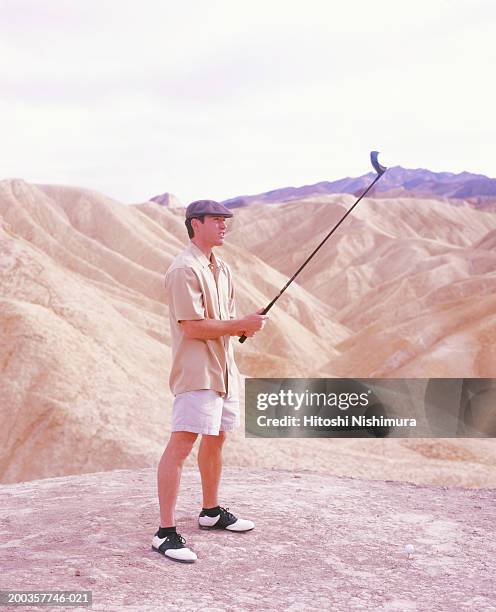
(212, 511)
(165, 531)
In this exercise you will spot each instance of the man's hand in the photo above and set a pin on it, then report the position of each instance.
(252, 323)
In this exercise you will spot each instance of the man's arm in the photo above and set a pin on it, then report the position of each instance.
(209, 329)
(186, 306)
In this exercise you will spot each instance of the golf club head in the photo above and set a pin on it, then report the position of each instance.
(375, 162)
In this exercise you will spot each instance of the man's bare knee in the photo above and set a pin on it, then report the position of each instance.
(180, 444)
(214, 440)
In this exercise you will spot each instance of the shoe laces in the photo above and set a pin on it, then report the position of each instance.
(225, 512)
(176, 538)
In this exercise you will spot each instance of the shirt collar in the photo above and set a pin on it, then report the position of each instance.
(202, 258)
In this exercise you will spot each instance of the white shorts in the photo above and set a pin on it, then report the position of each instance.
(204, 412)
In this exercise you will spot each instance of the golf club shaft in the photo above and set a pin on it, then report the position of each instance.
(270, 304)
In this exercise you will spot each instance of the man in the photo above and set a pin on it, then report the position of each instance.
(204, 377)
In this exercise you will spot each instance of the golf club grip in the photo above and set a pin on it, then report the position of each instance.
(264, 312)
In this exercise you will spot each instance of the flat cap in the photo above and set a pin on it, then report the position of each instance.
(207, 207)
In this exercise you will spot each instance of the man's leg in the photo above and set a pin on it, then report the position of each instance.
(169, 473)
(210, 452)
(212, 515)
(210, 464)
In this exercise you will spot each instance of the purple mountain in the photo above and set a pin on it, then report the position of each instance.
(396, 182)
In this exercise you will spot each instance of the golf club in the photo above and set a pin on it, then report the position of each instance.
(380, 171)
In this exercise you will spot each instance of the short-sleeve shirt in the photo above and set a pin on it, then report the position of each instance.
(200, 289)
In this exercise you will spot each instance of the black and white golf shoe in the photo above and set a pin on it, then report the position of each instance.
(172, 546)
(224, 520)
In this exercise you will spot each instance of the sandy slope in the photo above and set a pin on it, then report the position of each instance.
(414, 280)
(84, 352)
(84, 356)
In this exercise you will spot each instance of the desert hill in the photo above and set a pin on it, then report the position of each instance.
(414, 280)
(84, 356)
(167, 199)
(84, 350)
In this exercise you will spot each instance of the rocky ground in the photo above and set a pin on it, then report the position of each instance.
(320, 542)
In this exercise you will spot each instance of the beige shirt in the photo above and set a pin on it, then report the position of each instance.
(200, 289)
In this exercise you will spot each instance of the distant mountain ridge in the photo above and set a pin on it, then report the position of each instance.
(397, 182)
(167, 199)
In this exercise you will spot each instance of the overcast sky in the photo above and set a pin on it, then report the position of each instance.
(213, 99)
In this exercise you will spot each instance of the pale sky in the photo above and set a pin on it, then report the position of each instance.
(213, 99)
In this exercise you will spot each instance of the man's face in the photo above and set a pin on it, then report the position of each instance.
(212, 231)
